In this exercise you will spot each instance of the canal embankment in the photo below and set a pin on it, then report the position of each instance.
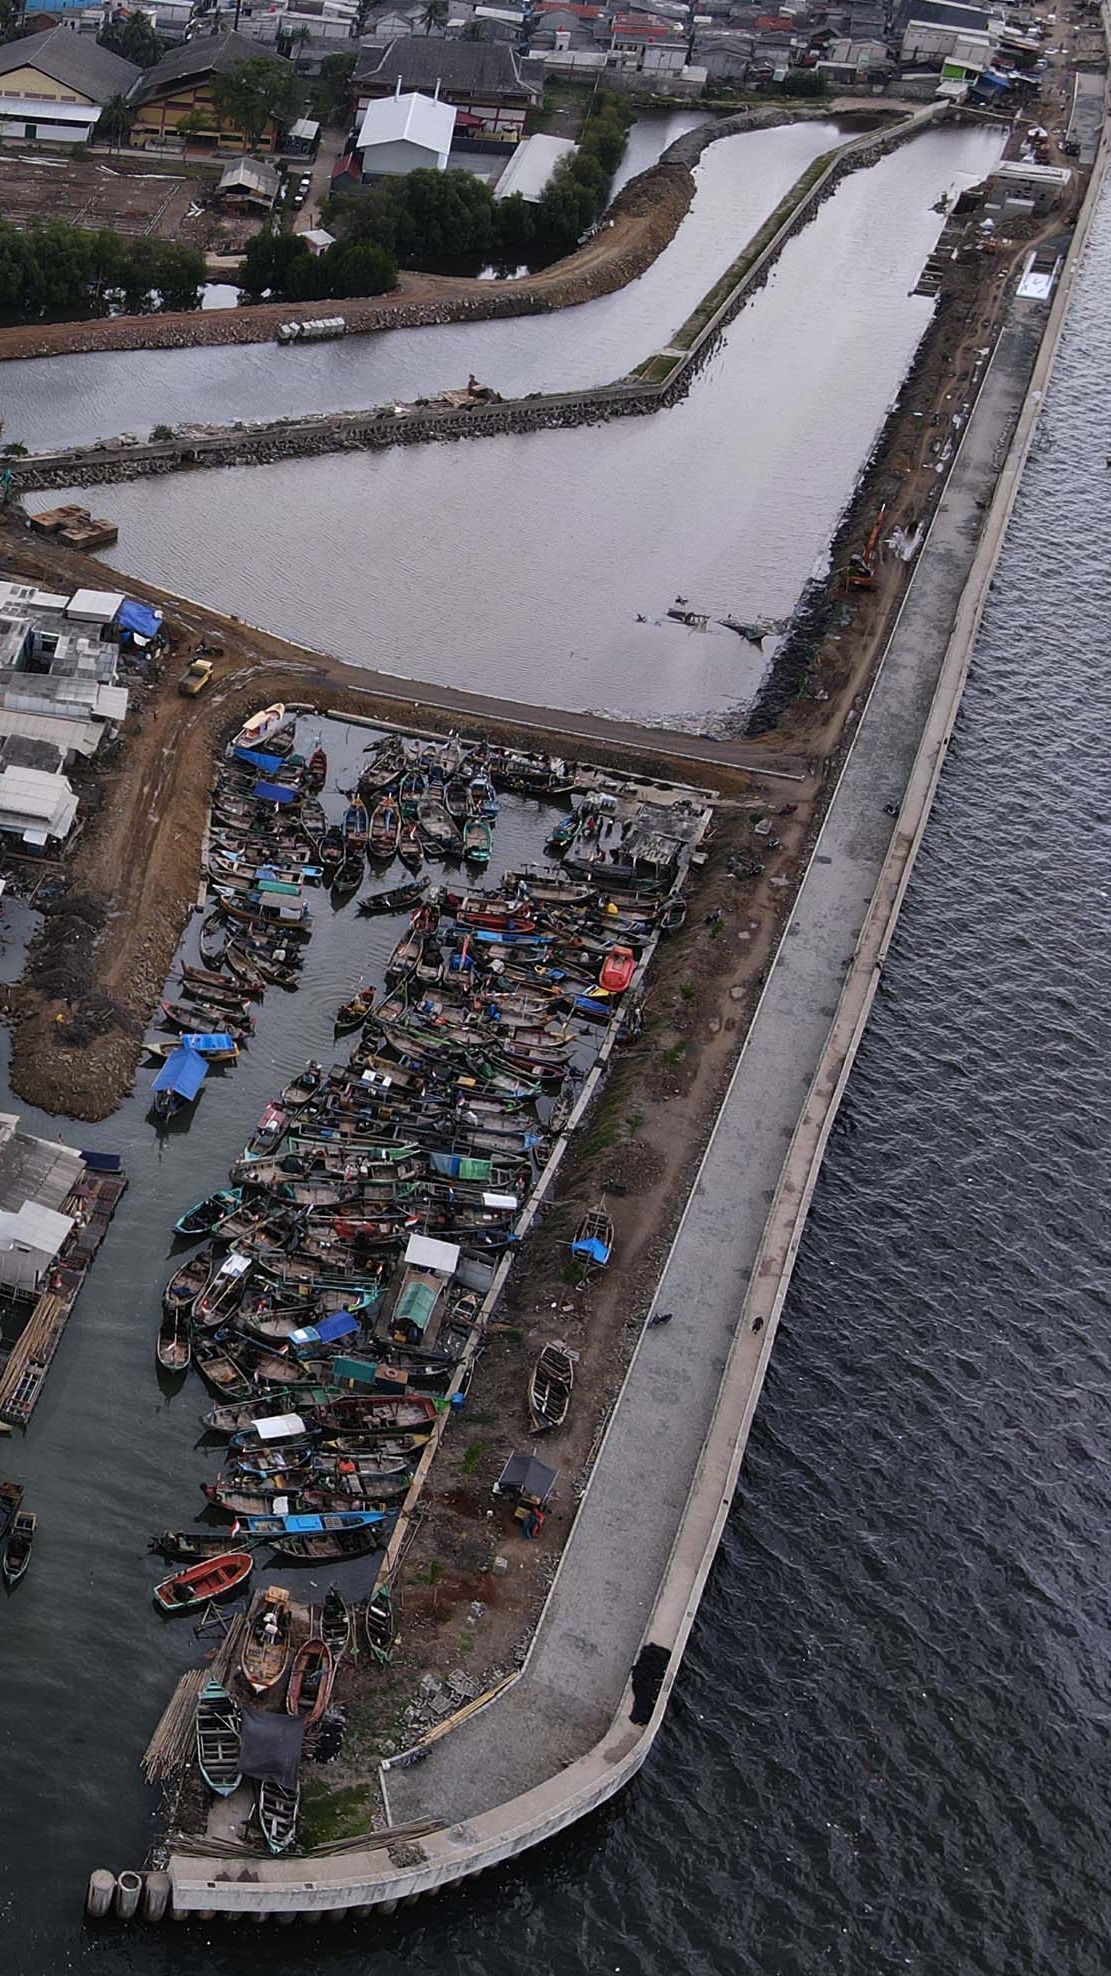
(660, 382)
(595, 1630)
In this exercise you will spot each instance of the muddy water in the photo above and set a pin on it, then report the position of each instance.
(524, 566)
(64, 400)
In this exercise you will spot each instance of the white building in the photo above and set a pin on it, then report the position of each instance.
(533, 165)
(405, 134)
(37, 1176)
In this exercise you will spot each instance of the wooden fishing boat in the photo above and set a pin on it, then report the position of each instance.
(413, 785)
(277, 1815)
(549, 1390)
(409, 847)
(11, 1497)
(302, 1090)
(617, 970)
(233, 1419)
(266, 726)
(330, 1547)
(175, 1343)
(223, 1291)
(593, 1243)
(191, 1546)
(219, 1732)
(186, 1284)
(397, 899)
(213, 939)
(195, 1018)
(202, 1217)
(196, 1584)
(310, 1681)
(439, 832)
(206, 981)
(351, 873)
(219, 1371)
(266, 1649)
(385, 829)
(483, 800)
(378, 1623)
(353, 1014)
(316, 769)
(268, 967)
(17, 1551)
(331, 852)
(244, 970)
(356, 825)
(335, 1623)
(477, 841)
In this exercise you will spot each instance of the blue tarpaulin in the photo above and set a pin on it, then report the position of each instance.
(214, 1042)
(341, 1324)
(274, 792)
(138, 618)
(591, 1249)
(183, 1073)
(258, 758)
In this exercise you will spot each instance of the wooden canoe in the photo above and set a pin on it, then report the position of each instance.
(17, 1551)
(310, 1680)
(266, 1649)
(549, 1392)
(335, 1623)
(219, 1739)
(196, 1584)
(277, 1815)
(175, 1344)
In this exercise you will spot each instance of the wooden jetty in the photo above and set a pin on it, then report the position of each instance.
(91, 1205)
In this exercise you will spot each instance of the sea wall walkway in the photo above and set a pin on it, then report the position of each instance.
(581, 1718)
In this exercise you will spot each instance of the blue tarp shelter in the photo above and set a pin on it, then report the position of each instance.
(258, 758)
(182, 1074)
(213, 1042)
(341, 1324)
(275, 792)
(140, 620)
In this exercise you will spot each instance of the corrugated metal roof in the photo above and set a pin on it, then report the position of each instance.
(532, 166)
(424, 1253)
(414, 118)
(83, 736)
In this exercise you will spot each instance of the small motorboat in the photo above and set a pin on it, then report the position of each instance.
(192, 1546)
(202, 1217)
(17, 1551)
(617, 971)
(593, 1243)
(385, 829)
(549, 1390)
(11, 1498)
(266, 1649)
(356, 826)
(353, 1014)
(174, 1349)
(310, 1681)
(397, 899)
(219, 1739)
(277, 1815)
(212, 1578)
(335, 1623)
(477, 841)
(186, 1284)
(378, 1623)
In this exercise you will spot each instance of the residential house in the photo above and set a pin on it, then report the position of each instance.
(405, 133)
(249, 182)
(487, 83)
(53, 86)
(849, 62)
(180, 86)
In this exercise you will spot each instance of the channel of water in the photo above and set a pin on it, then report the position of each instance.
(542, 567)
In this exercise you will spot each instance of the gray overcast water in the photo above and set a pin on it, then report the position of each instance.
(518, 566)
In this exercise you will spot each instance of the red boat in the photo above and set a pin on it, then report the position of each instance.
(618, 969)
(209, 1579)
(310, 1681)
(316, 769)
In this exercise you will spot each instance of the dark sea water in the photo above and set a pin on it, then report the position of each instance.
(888, 1748)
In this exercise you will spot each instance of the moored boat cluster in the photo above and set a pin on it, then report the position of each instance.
(338, 1295)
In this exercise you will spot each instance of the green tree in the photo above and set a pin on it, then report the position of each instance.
(192, 124)
(331, 92)
(434, 15)
(116, 119)
(254, 91)
(134, 39)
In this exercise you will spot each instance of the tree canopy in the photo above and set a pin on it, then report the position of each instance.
(280, 264)
(55, 268)
(246, 97)
(134, 39)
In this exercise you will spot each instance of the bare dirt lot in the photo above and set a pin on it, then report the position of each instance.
(130, 195)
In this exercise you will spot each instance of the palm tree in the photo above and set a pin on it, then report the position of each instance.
(115, 121)
(300, 36)
(435, 15)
